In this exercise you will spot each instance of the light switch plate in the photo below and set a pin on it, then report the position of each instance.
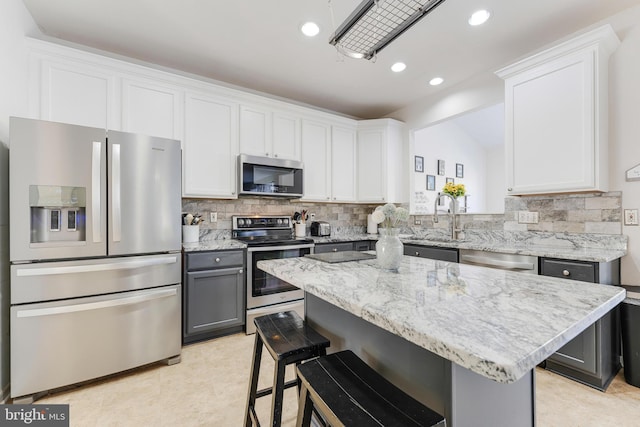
(213, 217)
(631, 217)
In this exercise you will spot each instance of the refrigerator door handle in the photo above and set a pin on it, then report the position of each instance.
(116, 207)
(39, 312)
(89, 268)
(96, 162)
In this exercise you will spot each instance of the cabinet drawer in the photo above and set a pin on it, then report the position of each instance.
(215, 259)
(441, 254)
(576, 270)
(363, 245)
(333, 247)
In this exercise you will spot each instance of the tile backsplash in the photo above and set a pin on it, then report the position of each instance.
(592, 213)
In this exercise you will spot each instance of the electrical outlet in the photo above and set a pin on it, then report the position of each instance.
(417, 221)
(213, 217)
(526, 217)
(631, 217)
(312, 216)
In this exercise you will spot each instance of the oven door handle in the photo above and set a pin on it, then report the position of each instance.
(279, 248)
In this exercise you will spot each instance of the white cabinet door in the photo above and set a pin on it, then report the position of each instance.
(255, 131)
(151, 108)
(286, 136)
(343, 164)
(316, 156)
(76, 93)
(556, 117)
(371, 165)
(210, 147)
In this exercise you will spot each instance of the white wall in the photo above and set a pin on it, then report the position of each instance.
(446, 141)
(15, 23)
(624, 119)
(624, 129)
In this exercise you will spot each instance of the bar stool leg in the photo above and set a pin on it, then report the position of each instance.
(305, 407)
(253, 384)
(278, 391)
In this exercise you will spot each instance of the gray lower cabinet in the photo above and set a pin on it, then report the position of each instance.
(333, 247)
(214, 294)
(431, 252)
(593, 357)
(364, 245)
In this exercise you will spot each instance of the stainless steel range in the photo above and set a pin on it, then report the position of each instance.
(269, 237)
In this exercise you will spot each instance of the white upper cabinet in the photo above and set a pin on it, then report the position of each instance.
(343, 164)
(286, 136)
(556, 117)
(270, 133)
(73, 92)
(379, 162)
(255, 131)
(151, 108)
(210, 147)
(316, 156)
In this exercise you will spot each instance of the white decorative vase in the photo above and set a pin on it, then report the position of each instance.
(389, 249)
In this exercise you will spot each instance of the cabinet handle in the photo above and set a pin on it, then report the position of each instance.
(217, 259)
(240, 271)
(417, 253)
(275, 155)
(335, 249)
(566, 273)
(266, 154)
(509, 189)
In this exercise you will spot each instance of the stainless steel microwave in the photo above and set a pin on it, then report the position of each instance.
(267, 176)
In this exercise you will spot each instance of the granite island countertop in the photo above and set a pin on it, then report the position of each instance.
(496, 323)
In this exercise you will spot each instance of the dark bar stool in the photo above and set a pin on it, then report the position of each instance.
(347, 392)
(289, 340)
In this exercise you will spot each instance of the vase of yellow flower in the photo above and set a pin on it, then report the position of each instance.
(389, 248)
(455, 190)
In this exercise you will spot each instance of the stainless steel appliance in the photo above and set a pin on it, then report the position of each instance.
(268, 176)
(320, 228)
(95, 251)
(269, 237)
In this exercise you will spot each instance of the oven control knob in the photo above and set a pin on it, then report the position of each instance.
(248, 221)
(286, 221)
(279, 221)
(241, 222)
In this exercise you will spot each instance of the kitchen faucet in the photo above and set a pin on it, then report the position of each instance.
(452, 213)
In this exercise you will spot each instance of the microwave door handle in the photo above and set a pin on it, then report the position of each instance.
(96, 194)
(116, 206)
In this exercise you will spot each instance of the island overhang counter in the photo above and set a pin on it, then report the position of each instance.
(460, 338)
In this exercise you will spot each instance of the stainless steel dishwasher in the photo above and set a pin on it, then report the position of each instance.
(512, 262)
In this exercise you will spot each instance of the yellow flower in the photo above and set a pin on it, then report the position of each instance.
(456, 190)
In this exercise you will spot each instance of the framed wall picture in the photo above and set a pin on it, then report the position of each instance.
(459, 170)
(419, 163)
(440, 167)
(450, 180)
(431, 182)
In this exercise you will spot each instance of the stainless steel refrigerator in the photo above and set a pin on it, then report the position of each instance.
(95, 253)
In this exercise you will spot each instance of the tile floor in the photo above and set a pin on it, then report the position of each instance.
(208, 388)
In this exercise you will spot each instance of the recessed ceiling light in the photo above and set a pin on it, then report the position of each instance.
(436, 81)
(479, 17)
(310, 29)
(398, 66)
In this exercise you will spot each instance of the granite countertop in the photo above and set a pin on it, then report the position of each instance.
(523, 248)
(601, 254)
(496, 323)
(213, 245)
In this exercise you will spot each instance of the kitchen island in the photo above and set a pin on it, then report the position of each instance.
(462, 339)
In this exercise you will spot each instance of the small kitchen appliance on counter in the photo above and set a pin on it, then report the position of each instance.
(320, 228)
